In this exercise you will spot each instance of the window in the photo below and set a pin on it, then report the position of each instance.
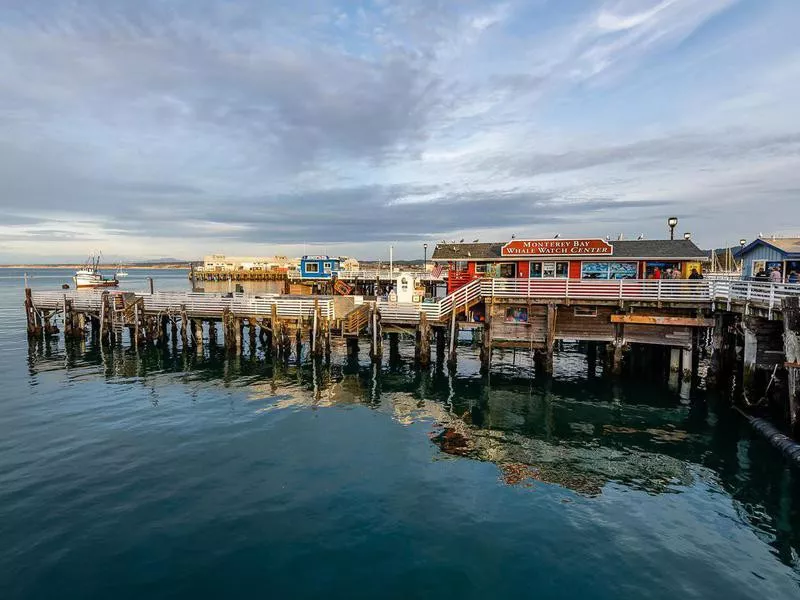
(516, 314)
(327, 267)
(480, 268)
(312, 267)
(508, 270)
(585, 311)
(549, 270)
(608, 270)
(459, 265)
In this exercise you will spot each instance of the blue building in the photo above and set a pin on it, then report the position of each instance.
(318, 267)
(765, 254)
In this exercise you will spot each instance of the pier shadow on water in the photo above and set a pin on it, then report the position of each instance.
(578, 429)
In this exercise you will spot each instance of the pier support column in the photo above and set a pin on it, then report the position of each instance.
(238, 334)
(687, 365)
(352, 347)
(591, 359)
(212, 333)
(184, 325)
(251, 331)
(198, 335)
(422, 342)
(376, 347)
(486, 342)
(791, 346)
(298, 341)
(394, 348)
(452, 356)
(441, 344)
(674, 360)
(229, 337)
(550, 339)
(32, 315)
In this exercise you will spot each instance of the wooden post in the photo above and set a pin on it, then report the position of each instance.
(550, 338)
(422, 350)
(198, 335)
(136, 325)
(394, 346)
(298, 340)
(352, 347)
(251, 326)
(376, 349)
(327, 341)
(273, 325)
(212, 332)
(104, 318)
(686, 365)
(238, 334)
(441, 344)
(184, 325)
(791, 346)
(451, 360)
(486, 342)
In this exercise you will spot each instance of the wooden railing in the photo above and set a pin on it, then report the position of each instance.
(384, 275)
(356, 319)
(199, 304)
(763, 294)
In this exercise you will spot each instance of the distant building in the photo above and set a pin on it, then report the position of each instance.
(350, 264)
(318, 267)
(220, 262)
(763, 255)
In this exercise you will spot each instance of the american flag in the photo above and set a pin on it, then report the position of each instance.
(436, 271)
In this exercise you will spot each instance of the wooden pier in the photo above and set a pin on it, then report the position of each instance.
(749, 329)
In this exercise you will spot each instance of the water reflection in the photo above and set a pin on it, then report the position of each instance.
(577, 430)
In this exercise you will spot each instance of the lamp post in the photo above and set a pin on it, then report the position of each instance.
(672, 222)
(742, 243)
(687, 236)
(424, 257)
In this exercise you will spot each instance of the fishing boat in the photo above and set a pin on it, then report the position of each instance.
(90, 276)
(121, 272)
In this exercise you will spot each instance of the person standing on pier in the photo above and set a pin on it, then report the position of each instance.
(775, 275)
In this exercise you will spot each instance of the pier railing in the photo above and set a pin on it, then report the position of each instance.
(384, 275)
(198, 304)
(762, 294)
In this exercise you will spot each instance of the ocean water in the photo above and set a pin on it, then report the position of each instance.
(163, 474)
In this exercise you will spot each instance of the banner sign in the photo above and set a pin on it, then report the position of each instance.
(556, 247)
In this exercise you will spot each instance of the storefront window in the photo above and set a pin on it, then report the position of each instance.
(549, 270)
(508, 270)
(608, 270)
(661, 270)
(480, 268)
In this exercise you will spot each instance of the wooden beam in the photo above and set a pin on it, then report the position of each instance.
(663, 320)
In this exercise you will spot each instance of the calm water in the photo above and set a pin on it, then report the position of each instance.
(168, 475)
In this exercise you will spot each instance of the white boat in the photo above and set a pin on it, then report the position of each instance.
(91, 277)
(120, 273)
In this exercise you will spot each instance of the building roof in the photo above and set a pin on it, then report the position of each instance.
(789, 246)
(654, 249)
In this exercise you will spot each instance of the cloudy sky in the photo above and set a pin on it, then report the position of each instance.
(151, 128)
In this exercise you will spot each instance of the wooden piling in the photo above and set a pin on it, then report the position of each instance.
(441, 344)
(791, 345)
(184, 325)
(197, 332)
(376, 348)
(452, 357)
(550, 338)
(422, 342)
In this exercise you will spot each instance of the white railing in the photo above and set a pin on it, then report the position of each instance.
(757, 293)
(383, 275)
(198, 303)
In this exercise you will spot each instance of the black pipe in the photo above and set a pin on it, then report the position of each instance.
(781, 441)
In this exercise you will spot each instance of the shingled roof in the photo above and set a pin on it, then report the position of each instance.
(654, 249)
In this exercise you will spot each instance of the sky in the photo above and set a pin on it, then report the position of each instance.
(178, 128)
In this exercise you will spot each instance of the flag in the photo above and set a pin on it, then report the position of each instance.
(436, 271)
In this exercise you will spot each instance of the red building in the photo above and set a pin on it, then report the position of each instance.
(594, 258)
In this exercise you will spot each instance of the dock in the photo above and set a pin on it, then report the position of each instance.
(616, 318)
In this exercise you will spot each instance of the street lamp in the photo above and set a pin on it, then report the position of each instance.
(425, 257)
(742, 242)
(672, 222)
(687, 236)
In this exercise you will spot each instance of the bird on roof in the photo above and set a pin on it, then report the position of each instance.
(608, 238)
(461, 241)
(513, 235)
(641, 236)
(619, 237)
(475, 241)
(556, 236)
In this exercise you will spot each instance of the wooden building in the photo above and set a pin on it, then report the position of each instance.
(579, 259)
(761, 256)
(317, 267)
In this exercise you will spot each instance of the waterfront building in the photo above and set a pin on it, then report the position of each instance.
(592, 258)
(318, 267)
(221, 262)
(764, 255)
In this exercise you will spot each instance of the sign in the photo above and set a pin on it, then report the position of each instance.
(556, 247)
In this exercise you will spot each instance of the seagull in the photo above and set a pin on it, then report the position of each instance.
(619, 237)
(513, 235)
(461, 241)
(556, 236)
(608, 238)
(641, 236)
(475, 241)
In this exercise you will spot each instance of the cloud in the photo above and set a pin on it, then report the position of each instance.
(251, 125)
